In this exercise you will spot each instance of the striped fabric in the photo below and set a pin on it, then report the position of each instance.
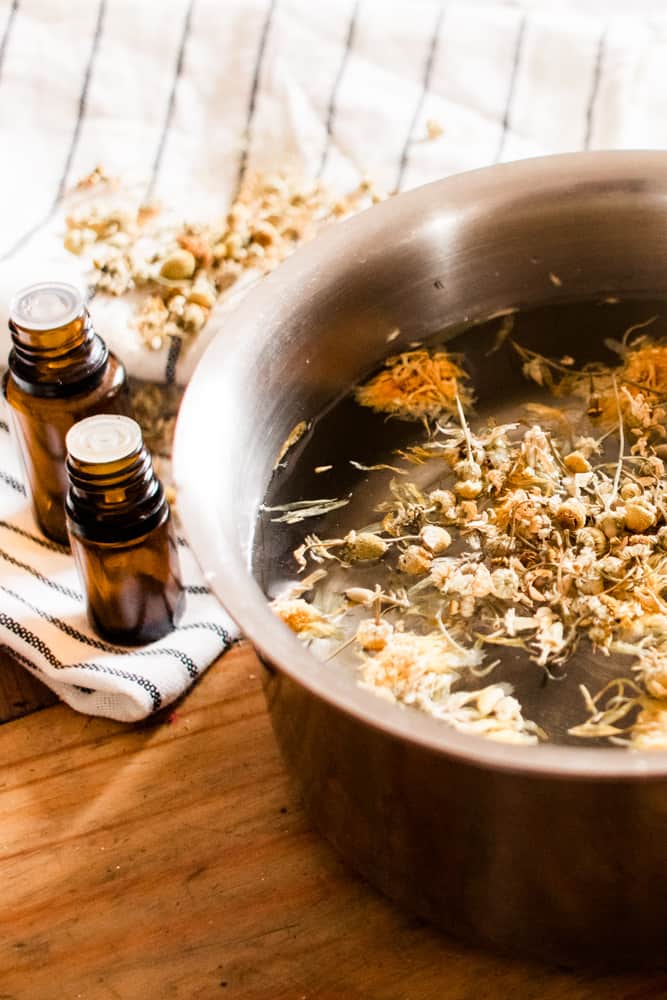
(183, 98)
(43, 620)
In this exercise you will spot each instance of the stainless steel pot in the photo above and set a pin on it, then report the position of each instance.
(557, 851)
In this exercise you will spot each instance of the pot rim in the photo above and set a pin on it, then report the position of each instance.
(232, 581)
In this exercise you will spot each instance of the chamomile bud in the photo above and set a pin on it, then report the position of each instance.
(576, 462)
(364, 546)
(466, 469)
(415, 560)
(505, 582)
(360, 595)
(469, 489)
(639, 516)
(592, 538)
(611, 523)
(630, 490)
(571, 515)
(435, 538)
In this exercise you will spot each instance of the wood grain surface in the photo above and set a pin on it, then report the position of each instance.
(173, 860)
(20, 692)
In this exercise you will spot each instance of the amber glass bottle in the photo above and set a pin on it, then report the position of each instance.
(59, 372)
(121, 533)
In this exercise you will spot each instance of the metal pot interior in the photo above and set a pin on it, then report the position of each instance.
(446, 255)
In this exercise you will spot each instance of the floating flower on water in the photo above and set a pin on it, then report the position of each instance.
(303, 618)
(416, 385)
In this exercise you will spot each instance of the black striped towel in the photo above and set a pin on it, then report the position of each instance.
(43, 621)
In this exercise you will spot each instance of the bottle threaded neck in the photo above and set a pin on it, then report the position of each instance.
(56, 351)
(113, 489)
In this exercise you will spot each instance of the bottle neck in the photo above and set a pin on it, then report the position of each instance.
(115, 501)
(64, 361)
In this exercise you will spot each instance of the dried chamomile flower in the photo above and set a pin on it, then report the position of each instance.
(444, 502)
(416, 385)
(303, 618)
(421, 670)
(630, 491)
(179, 265)
(528, 538)
(436, 539)
(131, 248)
(505, 584)
(646, 365)
(373, 636)
(639, 516)
(649, 731)
(151, 320)
(571, 515)
(406, 655)
(593, 538)
(493, 713)
(611, 523)
(415, 560)
(652, 662)
(576, 461)
(469, 489)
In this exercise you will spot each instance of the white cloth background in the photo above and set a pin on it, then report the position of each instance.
(165, 94)
(183, 97)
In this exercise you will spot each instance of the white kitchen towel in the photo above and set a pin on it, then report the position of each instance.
(183, 99)
(43, 619)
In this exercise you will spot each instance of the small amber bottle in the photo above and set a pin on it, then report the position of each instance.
(60, 371)
(121, 532)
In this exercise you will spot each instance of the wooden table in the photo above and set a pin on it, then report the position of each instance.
(172, 859)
